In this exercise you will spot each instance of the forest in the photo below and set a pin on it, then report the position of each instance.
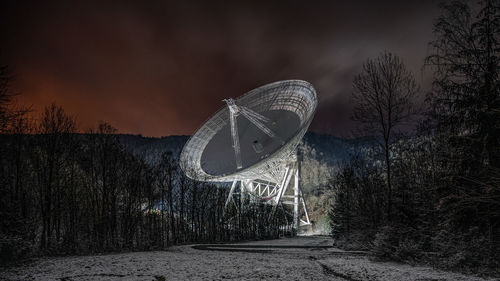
(431, 195)
(65, 192)
(426, 190)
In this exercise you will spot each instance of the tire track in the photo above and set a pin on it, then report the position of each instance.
(269, 248)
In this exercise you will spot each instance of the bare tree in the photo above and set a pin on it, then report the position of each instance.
(55, 130)
(383, 96)
(10, 111)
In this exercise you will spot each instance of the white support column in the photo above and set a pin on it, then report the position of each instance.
(282, 185)
(299, 195)
(230, 196)
(296, 195)
(242, 192)
(282, 188)
(305, 207)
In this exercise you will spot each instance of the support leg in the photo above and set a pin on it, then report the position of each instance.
(282, 190)
(230, 196)
(242, 193)
(296, 195)
(305, 207)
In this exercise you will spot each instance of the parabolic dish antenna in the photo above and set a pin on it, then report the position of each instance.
(253, 140)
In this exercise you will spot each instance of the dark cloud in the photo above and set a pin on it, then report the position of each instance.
(160, 68)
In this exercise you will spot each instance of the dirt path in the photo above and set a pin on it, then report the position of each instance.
(300, 258)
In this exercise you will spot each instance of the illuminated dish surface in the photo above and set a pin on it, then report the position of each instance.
(287, 108)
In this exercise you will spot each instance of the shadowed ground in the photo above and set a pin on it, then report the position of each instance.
(300, 258)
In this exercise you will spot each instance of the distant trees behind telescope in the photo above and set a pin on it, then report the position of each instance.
(66, 193)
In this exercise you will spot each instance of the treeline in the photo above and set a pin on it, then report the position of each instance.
(432, 197)
(65, 192)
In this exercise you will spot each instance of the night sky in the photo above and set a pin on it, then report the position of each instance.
(159, 68)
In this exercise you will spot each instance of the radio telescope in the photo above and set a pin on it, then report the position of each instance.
(253, 141)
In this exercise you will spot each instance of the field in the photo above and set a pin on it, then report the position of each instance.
(300, 258)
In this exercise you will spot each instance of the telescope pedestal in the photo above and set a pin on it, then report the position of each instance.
(274, 194)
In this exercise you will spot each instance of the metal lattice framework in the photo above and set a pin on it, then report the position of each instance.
(273, 118)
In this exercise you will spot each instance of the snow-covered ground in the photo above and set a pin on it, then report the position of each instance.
(300, 258)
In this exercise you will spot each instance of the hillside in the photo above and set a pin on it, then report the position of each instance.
(322, 155)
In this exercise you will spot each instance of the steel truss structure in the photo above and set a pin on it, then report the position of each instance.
(261, 192)
(272, 120)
